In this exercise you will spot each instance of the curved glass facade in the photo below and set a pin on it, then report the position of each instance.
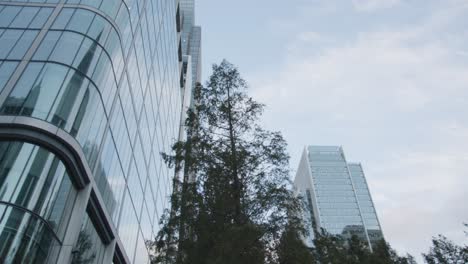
(106, 73)
(35, 191)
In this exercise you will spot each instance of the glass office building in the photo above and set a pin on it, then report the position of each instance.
(368, 213)
(90, 95)
(191, 44)
(336, 195)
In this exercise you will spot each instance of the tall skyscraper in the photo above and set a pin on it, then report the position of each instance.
(191, 66)
(191, 45)
(336, 195)
(90, 95)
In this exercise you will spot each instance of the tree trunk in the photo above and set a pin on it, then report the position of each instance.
(237, 185)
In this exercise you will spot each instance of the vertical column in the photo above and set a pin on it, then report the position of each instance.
(74, 226)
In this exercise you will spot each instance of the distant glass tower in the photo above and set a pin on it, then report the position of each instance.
(191, 45)
(191, 67)
(90, 95)
(336, 195)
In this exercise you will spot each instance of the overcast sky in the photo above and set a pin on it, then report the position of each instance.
(386, 79)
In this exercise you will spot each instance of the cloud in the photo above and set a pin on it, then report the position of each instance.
(420, 195)
(383, 66)
(309, 36)
(372, 5)
(306, 40)
(396, 99)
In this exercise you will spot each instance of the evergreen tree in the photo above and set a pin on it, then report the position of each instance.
(238, 208)
(383, 253)
(331, 249)
(445, 251)
(357, 251)
(292, 250)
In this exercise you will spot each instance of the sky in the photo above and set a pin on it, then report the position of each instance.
(385, 79)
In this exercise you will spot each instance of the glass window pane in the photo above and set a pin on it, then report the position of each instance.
(6, 70)
(113, 44)
(23, 45)
(134, 187)
(81, 20)
(8, 14)
(110, 179)
(41, 18)
(24, 17)
(47, 45)
(93, 3)
(62, 20)
(44, 91)
(141, 254)
(87, 56)
(88, 127)
(66, 48)
(123, 22)
(33, 178)
(58, 194)
(89, 248)
(128, 227)
(82, 114)
(8, 41)
(69, 99)
(110, 7)
(15, 100)
(98, 28)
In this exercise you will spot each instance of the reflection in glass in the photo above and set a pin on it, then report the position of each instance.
(44, 91)
(81, 21)
(35, 192)
(8, 41)
(69, 101)
(89, 247)
(6, 70)
(34, 178)
(14, 102)
(24, 238)
(73, 83)
(110, 179)
(66, 48)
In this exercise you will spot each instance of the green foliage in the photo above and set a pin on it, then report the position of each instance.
(445, 251)
(241, 202)
(292, 250)
(384, 254)
(331, 249)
